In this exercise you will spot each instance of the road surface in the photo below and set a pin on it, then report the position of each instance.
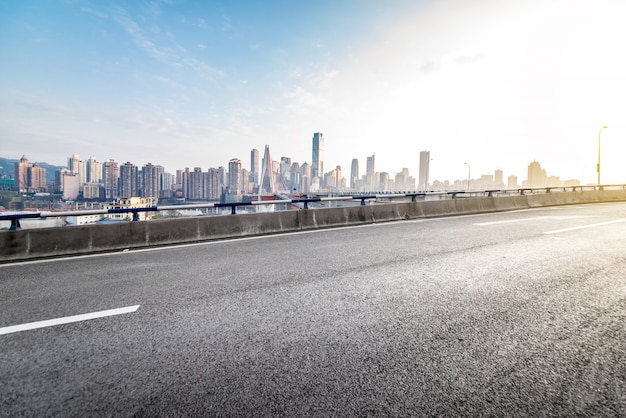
(506, 314)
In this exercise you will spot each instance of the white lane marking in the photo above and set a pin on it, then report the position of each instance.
(574, 228)
(67, 320)
(507, 221)
(534, 218)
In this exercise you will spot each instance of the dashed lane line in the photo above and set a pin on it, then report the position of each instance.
(574, 228)
(67, 320)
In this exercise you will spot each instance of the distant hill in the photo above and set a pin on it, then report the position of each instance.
(7, 168)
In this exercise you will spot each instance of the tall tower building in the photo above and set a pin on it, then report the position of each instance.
(254, 167)
(498, 178)
(72, 163)
(196, 184)
(536, 175)
(128, 180)
(94, 171)
(305, 179)
(371, 164)
(370, 173)
(295, 177)
(21, 174)
(354, 173)
(151, 176)
(424, 170)
(234, 181)
(317, 165)
(213, 185)
(111, 179)
(36, 178)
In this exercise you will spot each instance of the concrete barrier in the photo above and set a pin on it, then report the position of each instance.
(72, 240)
(334, 217)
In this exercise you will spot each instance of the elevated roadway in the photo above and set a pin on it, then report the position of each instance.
(516, 313)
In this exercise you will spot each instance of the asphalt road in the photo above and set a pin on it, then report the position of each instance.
(507, 314)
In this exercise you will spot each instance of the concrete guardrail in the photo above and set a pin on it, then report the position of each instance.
(73, 240)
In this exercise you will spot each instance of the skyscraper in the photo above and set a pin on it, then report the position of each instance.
(370, 173)
(21, 174)
(111, 179)
(94, 170)
(151, 176)
(128, 180)
(498, 178)
(78, 167)
(254, 167)
(212, 184)
(295, 177)
(196, 184)
(305, 180)
(354, 173)
(317, 165)
(424, 170)
(36, 178)
(234, 181)
(536, 175)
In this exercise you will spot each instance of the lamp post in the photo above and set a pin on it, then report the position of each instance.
(468, 175)
(598, 166)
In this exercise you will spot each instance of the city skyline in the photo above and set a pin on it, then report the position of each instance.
(278, 177)
(495, 84)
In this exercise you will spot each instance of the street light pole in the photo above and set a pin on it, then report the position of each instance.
(598, 166)
(468, 175)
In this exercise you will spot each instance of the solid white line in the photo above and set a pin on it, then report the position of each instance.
(67, 320)
(583, 227)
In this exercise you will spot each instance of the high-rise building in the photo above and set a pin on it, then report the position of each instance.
(404, 181)
(317, 164)
(111, 179)
(305, 179)
(371, 164)
(128, 180)
(196, 184)
(383, 182)
(254, 167)
(423, 179)
(167, 184)
(234, 181)
(213, 185)
(498, 178)
(36, 178)
(21, 174)
(354, 173)
(295, 177)
(184, 178)
(94, 170)
(79, 168)
(370, 173)
(536, 175)
(69, 184)
(151, 179)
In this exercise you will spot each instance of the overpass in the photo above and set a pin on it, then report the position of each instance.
(506, 313)
(85, 239)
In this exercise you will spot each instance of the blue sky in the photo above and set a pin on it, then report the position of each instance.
(495, 83)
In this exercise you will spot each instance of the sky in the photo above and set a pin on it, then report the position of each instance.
(495, 84)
